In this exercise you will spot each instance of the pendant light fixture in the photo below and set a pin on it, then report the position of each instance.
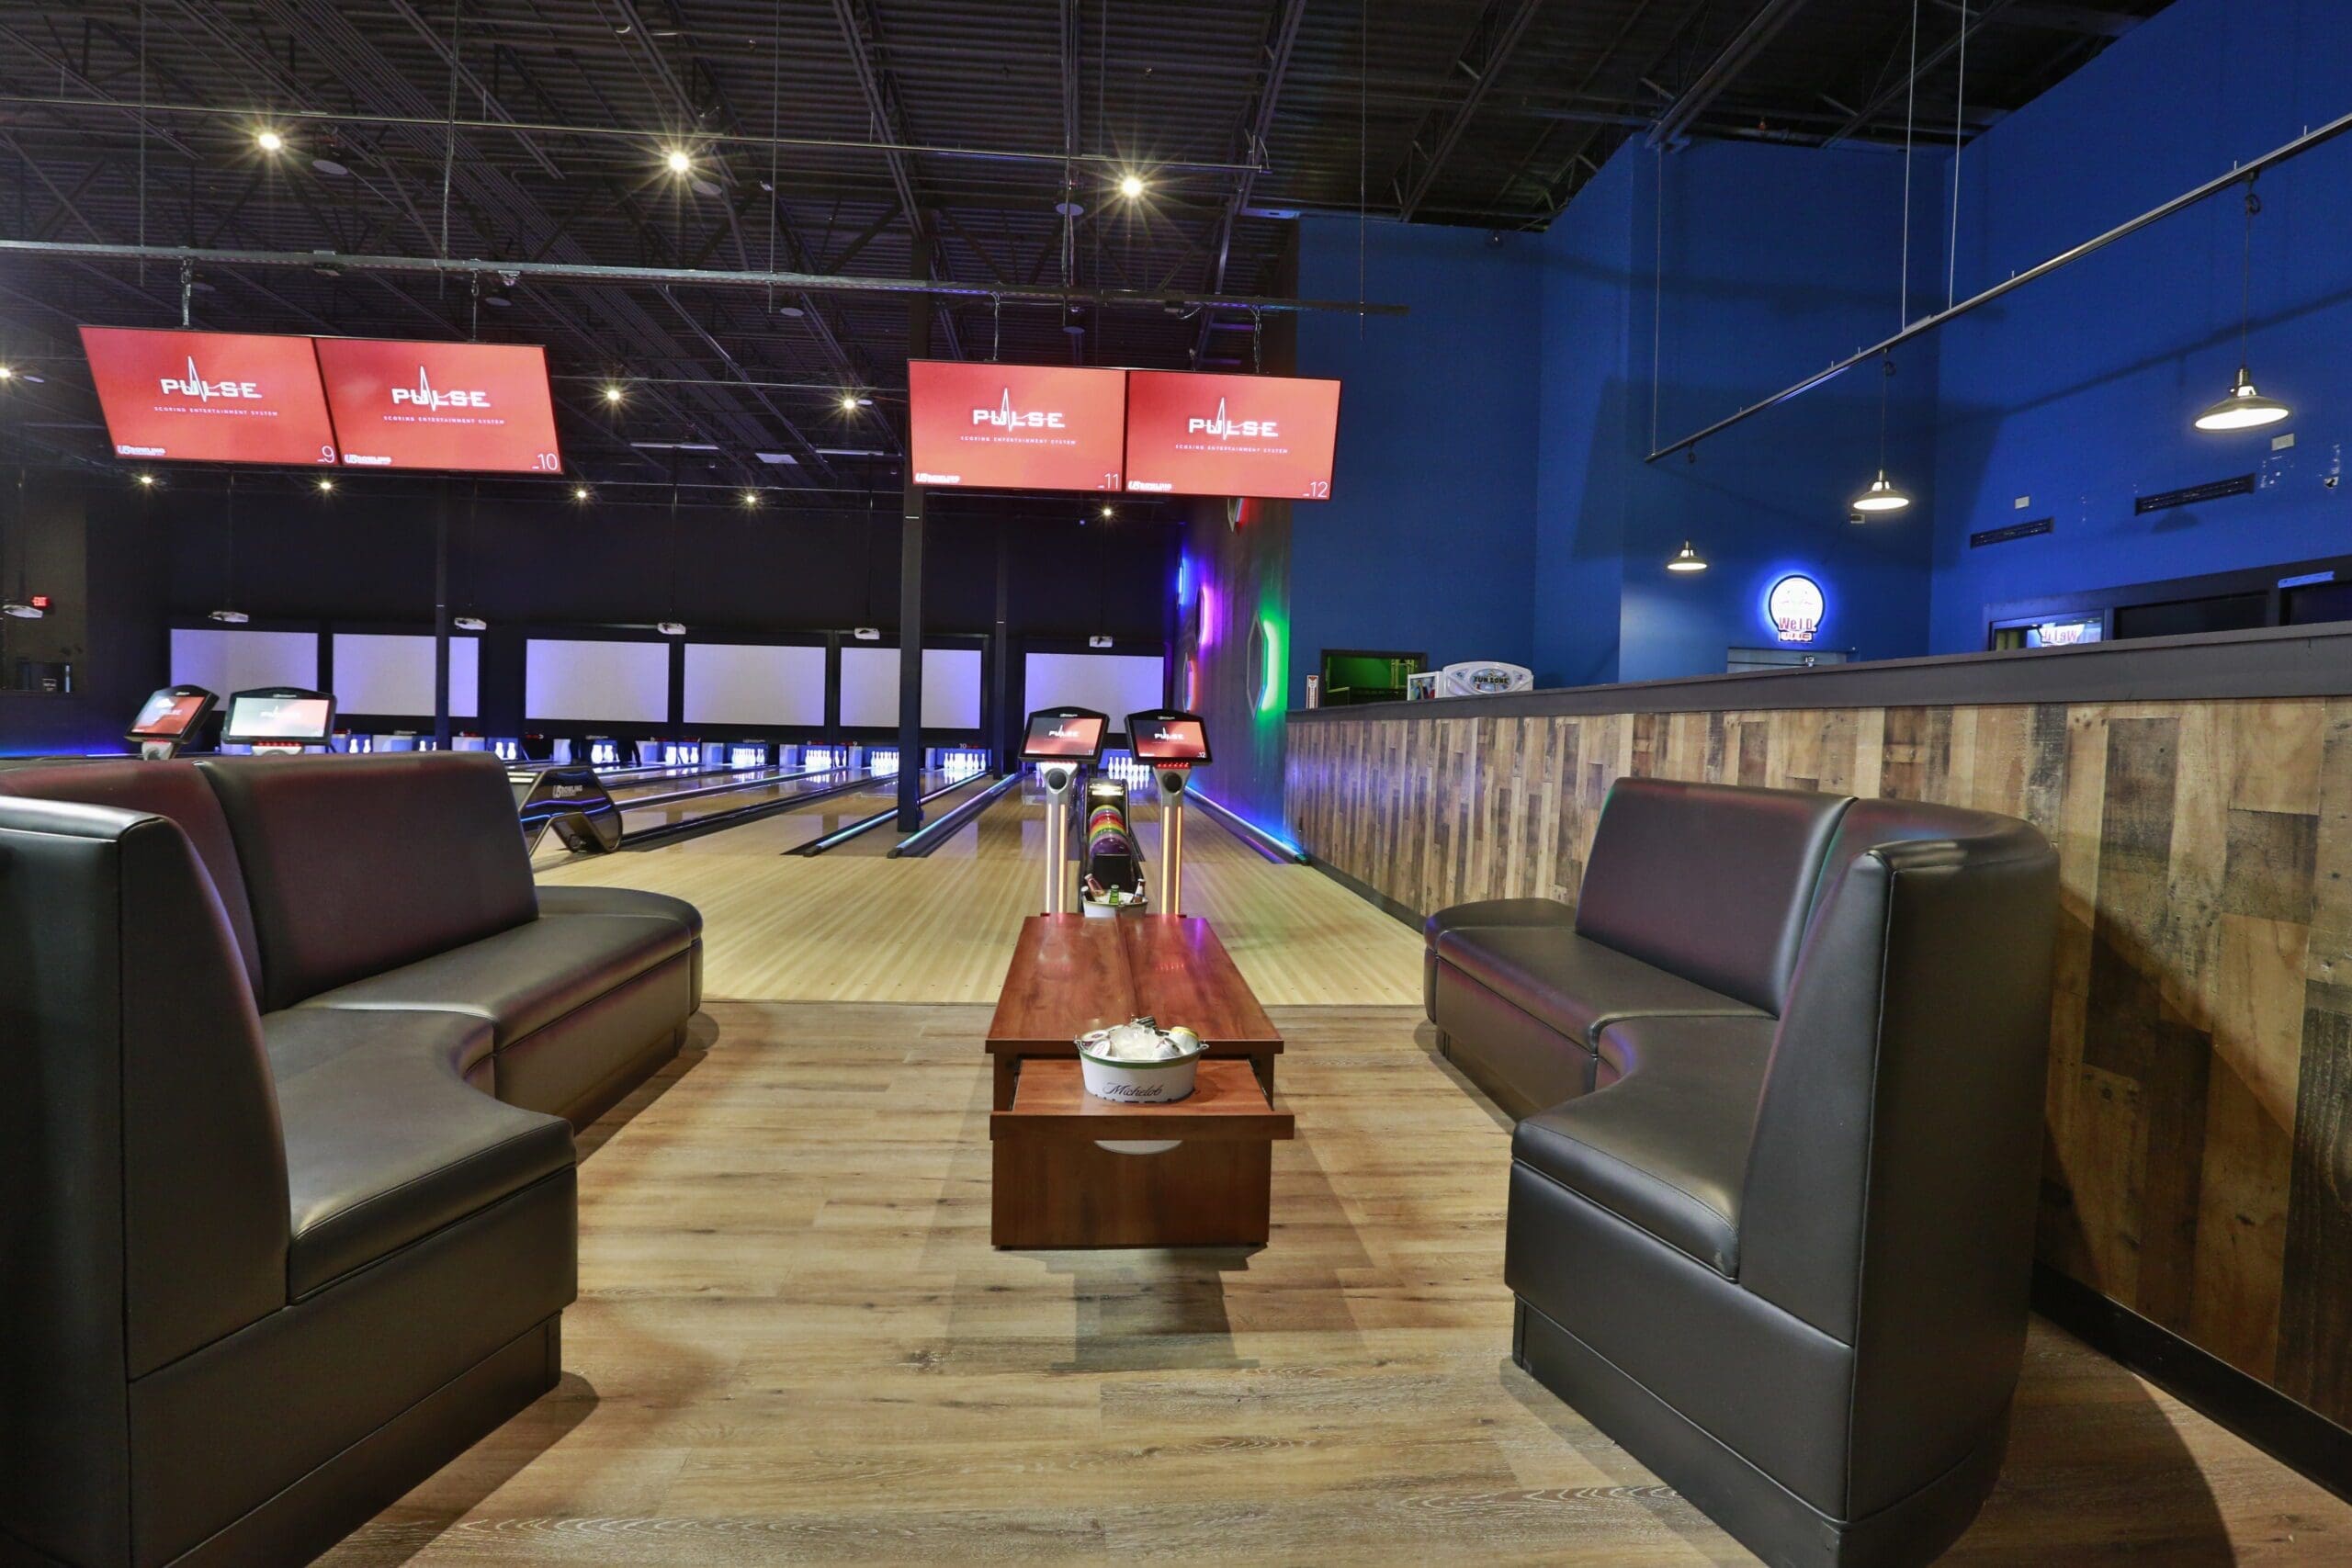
(1884, 495)
(1686, 559)
(2244, 408)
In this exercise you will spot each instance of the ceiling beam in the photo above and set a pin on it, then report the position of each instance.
(1483, 58)
(1737, 54)
(2080, 20)
(647, 276)
(1281, 33)
(1902, 85)
(862, 33)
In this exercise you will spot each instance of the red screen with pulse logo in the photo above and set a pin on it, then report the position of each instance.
(209, 397)
(1016, 427)
(1272, 436)
(475, 407)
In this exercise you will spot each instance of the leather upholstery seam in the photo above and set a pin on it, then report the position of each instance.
(373, 1433)
(1870, 1153)
(1759, 1471)
(440, 1230)
(467, 1164)
(1632, 1224)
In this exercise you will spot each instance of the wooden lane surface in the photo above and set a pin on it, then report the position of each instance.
(843, 927)
(793, 1344)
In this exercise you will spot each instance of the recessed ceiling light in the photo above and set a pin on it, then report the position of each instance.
(271, 142)
(750, 497)
(849, 403)
(579, 492)
(326, 485)
(147, 481)
(679, 162)
(1131, 186)
(612, 394)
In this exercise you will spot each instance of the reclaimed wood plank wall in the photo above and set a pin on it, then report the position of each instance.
(2199, 1157)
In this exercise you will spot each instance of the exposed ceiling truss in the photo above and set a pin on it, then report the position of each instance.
(509, 164)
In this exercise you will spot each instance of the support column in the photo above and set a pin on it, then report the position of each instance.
(441, 617)
(910, 600)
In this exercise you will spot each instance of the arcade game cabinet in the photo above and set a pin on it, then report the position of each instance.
(170, 721)
(279, 721)
(1170, 742)
(1063, 743)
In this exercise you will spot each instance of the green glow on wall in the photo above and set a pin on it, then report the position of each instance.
(1273, 671)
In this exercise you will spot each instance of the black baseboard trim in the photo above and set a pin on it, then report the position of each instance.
(1368, 893)
(2293, 1434)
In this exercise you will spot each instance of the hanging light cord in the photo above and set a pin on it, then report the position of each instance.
(2245, 278)
(1910, 104)
(1886, 389)
(1958, 124)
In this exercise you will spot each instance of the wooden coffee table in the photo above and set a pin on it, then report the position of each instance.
(1071, 973)
(1054, 1188)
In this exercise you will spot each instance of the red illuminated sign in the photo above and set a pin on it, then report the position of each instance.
(481, 407)
(209, 397)
(1245, 436)
(1016, 427)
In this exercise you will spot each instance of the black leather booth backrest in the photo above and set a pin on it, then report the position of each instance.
(166, 789)
(360, 865)
(1710, 881)
(144, 1204)
(1895, 1167)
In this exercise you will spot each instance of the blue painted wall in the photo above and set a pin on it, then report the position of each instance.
(2079, 389)
(1494, 498)
(1426, 542)
(1776, 259)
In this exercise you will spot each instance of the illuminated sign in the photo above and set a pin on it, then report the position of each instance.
(1016, 427)
(1794, 607)
(474, 407)
(1270, 437)
(209, 397)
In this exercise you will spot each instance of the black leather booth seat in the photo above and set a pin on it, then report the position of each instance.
(1771, 1214)
(290, 1220)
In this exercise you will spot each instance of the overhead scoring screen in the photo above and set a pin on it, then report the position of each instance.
(1016, 427)
(1256, 435)
(209, 397)
(479, 407)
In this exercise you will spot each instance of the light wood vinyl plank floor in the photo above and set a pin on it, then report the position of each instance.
(793, 1344)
